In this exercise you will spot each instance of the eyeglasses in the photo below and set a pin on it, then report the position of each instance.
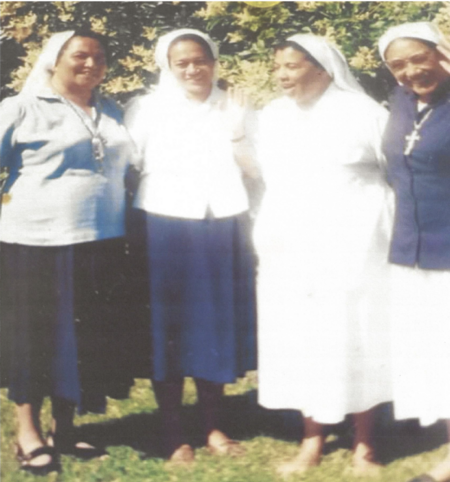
(399, 65)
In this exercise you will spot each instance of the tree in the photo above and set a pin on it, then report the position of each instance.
(245, 33)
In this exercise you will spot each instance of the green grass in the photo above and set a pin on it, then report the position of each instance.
(130, 431)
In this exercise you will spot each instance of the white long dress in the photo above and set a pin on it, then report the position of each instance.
(322, 237)
(420, 319)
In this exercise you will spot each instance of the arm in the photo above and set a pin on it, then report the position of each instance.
(11, 114)
(137, 127)
(378, 121)
(242, 124)
(138, 131)
(244, 150)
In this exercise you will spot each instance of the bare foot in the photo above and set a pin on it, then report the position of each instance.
(26, 445)
(366, 468)
(220, 444)
(364, 464)
(305, 460)
(183, 456)
(441, 472)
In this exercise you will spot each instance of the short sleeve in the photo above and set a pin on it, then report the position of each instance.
(135, 112)
(11, 114)
(376, 128)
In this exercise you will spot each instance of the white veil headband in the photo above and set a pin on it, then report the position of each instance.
(418, 30)
(167, 81)
(42, 71)
(330, 58)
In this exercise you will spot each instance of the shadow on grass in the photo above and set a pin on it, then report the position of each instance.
(244, 419)
(392, 439)
(396, 440)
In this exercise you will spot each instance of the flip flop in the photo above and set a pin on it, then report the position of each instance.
(69, 446)
(25, 459)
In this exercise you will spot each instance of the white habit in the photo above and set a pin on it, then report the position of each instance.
(322, 237)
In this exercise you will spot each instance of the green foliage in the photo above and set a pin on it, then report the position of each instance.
(244, 31)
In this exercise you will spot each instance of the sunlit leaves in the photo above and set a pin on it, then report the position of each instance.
(234, 37)
(33, 50)
(20, 27)
(245, 33)
(443, 18)
(10, 8)
(98, 25)
(124, 84)
(212, 9)
(366, 60)
(66, 10)
(149, 33)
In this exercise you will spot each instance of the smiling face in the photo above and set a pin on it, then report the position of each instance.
(193, 67)
(416, 65)
(298, 77)
(81, 66)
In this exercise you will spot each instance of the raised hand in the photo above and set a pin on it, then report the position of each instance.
(235, 108)
(444, 49)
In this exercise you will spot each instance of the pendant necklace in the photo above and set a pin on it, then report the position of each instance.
(98, 142)
(411, 139)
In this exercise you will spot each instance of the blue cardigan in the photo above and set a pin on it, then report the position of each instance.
(421, 181)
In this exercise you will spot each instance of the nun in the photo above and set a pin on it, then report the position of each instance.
(322, 237)
(191, 208)
(417, 147)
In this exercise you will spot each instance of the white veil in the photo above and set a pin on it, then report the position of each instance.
(42, 71)
(418, 30)
(168, 84)
(330, 58)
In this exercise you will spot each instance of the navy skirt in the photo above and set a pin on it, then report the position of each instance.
(201, 285)
(62, 325)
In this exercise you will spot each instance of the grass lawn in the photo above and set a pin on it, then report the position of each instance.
(129, 429)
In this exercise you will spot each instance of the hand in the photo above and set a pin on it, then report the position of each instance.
(444, 49)
(132, 180)
(235, 108)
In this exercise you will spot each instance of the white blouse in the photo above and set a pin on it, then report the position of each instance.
(187, 159)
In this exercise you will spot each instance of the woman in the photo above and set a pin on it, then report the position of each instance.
(61, 231)
(193, 206)
(322, 240)
(417, 147)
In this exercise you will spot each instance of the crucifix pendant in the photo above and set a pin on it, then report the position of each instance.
(99, 152)
(411, 141)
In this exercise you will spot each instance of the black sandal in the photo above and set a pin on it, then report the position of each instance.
(24, 459)
(67, 445)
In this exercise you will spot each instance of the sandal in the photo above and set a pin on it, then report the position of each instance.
(25, 459)
(68, 446)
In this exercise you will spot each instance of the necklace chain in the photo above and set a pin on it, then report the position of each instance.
(411, 139)
(98, 143)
